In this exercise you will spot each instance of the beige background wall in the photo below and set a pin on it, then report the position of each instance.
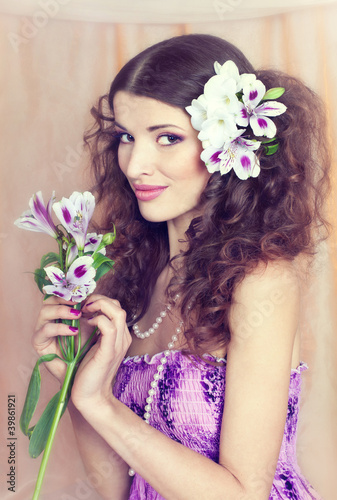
(51, 72)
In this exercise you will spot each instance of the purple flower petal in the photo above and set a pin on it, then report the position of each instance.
(38, 218)
(80, 271)
(253, 95)
(66, 215)
(245, 162)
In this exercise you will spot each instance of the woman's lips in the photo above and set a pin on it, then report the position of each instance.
(145, 192)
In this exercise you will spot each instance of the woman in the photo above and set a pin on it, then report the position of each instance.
(206, 293)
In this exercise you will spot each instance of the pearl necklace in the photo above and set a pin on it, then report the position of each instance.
(156, 377)
(155, 326)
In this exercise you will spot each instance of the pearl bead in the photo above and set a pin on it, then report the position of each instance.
(160, 367)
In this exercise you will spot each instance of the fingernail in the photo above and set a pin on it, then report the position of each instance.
(73, 329)
(75, 312)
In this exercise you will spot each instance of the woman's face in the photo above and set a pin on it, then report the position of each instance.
(159, 153)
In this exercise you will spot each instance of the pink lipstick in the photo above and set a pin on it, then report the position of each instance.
(147, 192)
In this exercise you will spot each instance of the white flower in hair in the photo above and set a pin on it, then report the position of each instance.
(260, 124)
(229, 101)
(230, 70)
(198, 111)
(236, 154)
(219, 128)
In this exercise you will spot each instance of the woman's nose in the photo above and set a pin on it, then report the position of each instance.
(140, 161)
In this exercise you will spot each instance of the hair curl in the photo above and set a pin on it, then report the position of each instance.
(277, 215)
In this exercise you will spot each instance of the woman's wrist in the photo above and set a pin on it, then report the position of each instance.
(96, 405)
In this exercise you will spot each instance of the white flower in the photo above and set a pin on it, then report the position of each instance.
(237, 155)
(230, 70)
(198, 112)
(218, 129)
(229, 101)
(220, 91)
(75, 213)
(260, 124)
(76, 285)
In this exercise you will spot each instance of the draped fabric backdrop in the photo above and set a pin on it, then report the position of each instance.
(56, 58)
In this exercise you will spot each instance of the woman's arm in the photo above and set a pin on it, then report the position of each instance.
(108, 471)
(258, 375)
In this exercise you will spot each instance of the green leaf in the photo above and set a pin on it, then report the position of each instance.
(100, 259)
(40, 278)
(49, 258)
(270, 150)
(33, 393)
(274, 93)
(104, 268)
(40, 432)
(266, 141)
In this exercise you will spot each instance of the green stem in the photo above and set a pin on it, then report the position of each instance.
(60, 405)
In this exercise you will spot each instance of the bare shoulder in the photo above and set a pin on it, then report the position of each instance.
(272, 280)
(268, 297)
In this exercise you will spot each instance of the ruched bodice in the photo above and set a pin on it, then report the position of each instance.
(188, 405)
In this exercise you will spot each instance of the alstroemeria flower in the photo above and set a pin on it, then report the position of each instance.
(76, 285)
(220, 91)
(75, 213)
(237, 155)
(241, 157)
(260, 124)
(218, 129)
(38, 218)
(230, 70)
(92, 242)
(198, 112)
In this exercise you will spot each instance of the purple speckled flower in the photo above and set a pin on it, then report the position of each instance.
(76, 285)
(75, 213)
(38, 218)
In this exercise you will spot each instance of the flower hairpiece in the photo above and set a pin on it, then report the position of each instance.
(231, 101)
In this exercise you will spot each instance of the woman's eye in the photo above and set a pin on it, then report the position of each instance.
(125, 138)
(168, 139)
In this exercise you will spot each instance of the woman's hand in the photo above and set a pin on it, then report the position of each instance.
(47, 330)
(97, 370)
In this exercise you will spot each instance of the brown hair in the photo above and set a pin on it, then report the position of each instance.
(277, 215)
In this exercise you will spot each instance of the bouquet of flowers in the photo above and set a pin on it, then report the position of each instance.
(71, 274)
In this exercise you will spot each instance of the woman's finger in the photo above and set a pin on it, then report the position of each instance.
(50, 331)
(52, 312)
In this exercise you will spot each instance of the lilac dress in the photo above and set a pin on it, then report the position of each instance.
(188, 406)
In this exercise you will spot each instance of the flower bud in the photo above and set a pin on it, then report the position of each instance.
(108, 238)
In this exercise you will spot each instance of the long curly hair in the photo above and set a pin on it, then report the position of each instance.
(277, 215)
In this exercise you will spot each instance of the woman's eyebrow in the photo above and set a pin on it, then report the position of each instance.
(153, 127)
(156, 127)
